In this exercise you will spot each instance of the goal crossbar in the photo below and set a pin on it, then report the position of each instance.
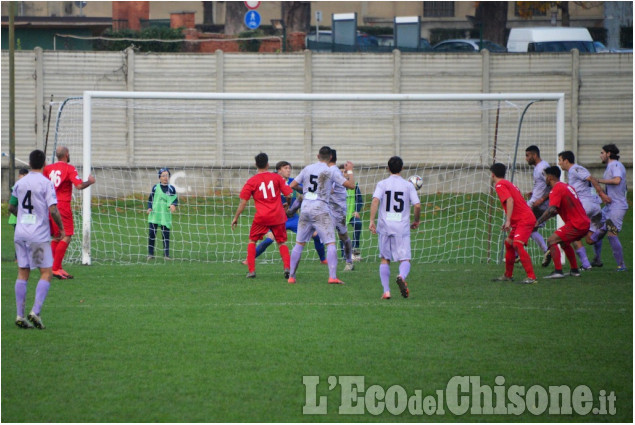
(89, 95)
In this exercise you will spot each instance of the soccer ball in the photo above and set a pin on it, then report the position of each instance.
(416, 181)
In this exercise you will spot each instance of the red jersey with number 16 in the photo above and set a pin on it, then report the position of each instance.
(565, 199)
(64, 176)
(266, 189)
(521, 212)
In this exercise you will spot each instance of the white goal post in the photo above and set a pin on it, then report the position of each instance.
(556, 139)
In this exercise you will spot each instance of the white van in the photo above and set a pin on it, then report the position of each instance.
(550, 39)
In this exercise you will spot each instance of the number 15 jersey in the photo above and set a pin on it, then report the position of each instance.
(395, 195)
(266, 189)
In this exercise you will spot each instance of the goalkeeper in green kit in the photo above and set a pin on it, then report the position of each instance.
(161, 204)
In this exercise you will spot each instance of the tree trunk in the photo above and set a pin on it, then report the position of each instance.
(493, 16)
(296, 15)
(564, 6)
(208, 13)
(234, 17)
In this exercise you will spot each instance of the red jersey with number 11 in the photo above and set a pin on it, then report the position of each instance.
(565, 199)
(64, 176)
(266, 189)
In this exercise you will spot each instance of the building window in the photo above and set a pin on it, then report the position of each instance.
(438, 9)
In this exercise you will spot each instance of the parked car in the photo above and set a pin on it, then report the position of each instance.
(550, 39)
(600, 47)
(467, 45)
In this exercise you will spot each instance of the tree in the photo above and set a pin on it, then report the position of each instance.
(296, 15)
(208, 13)
(492, 15)
(234, 15)
(527, 9)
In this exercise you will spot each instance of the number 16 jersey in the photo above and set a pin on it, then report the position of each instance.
(395, 195)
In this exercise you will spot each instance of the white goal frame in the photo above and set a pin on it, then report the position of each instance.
(89, 95)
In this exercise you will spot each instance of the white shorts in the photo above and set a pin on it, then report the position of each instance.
(32, 255)
(394, 247)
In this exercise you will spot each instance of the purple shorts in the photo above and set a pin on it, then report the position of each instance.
(616, 215)
(32, 255)
(319, 221)
(339, 219)
(394, 247)
(594, 212)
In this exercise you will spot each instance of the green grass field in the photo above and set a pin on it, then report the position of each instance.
(197, 342)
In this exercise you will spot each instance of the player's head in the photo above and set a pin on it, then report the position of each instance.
(23, 172)
(324, 155)
(262, 160)
(281, 164)
(333, 156)
(566, 159)
(395, 165)
(498, 170)
(165, 173)
(610, 151)
(552, 175)
(62, 153)
(532, 155)
(284, 169)
(37, 159)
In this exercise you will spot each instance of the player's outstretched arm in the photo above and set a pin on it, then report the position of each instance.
(89, 181)
(551, 211)
(241, 208)
(598, 189)
(374, 206)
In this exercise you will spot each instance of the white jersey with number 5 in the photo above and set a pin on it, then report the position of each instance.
(395, 195)
(317, 183)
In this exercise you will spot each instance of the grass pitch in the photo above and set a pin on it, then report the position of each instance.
(174, 342)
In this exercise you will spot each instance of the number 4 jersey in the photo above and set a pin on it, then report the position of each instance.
(395, 195)
(33, 195)
(266, 189)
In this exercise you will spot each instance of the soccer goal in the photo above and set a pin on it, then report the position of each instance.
(209, 140)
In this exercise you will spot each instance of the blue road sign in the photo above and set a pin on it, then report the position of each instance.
(252, 19)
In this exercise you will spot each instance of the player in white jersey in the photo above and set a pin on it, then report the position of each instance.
(32, 199)
(581, 180)
(615, 206)
(317, 182)
(337, 203)
(393, 198)
(539, 196)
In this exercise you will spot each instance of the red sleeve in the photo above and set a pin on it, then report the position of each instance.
(284, 187)
(73, 177)
(247, 190)
(502, 192)
(555, 196)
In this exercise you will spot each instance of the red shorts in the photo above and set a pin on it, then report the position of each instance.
(67, 220)
(259, 230)
(568, 233)
(522, 232)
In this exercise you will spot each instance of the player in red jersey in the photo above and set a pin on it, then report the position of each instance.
(564, 200)
(519, 222)
(64, 176)
(265, 187)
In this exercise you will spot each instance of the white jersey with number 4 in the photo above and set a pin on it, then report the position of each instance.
(395, 195)
(35, 194)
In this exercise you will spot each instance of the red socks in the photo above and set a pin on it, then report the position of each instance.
(58, 254)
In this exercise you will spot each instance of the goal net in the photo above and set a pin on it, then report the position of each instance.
(208, 142)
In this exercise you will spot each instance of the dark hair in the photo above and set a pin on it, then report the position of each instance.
(325, 153)
(554, 170)
(281, 164)
(37, 159)
(567, 155)
(395, 164)
(333, 155)
(499, 170)
(163, 170)
(261, 160)
(23, 172)
(612, 150)
(533, 148)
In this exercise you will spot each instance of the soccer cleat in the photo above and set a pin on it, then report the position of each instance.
(386, 296)
(357, 257)
(611, 227)
(585, 269)
(291, 280)
(335, 281)
(517, 259)
(503, 278)
(556, 274)
(21, 322)
(36, 320)
(622, 269)
(167, 258)
(597, 263)
(529, 281)
(348, 267)
(403, 287)
(574, 273)
(251, 275)
(546, 260)
(65, 273)
(324, 262)
(59, 275)
(287, 273)
(150, 257)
